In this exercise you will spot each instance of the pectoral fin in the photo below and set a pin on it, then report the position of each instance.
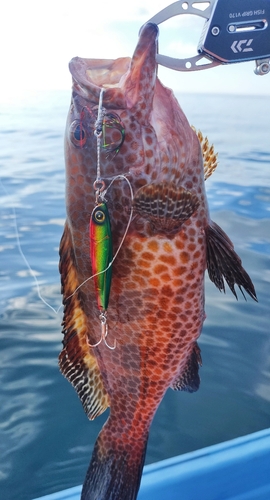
(77, 361)
(165, 206)
(189, 380)
(223, 262)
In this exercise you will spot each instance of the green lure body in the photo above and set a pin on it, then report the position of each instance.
(101, 253)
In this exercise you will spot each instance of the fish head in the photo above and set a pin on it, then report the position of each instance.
(144, 127)
(128, 86)
(144, 135)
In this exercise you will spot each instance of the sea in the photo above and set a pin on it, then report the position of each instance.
(45, 438)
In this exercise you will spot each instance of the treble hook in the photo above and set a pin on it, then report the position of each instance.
(104, 332)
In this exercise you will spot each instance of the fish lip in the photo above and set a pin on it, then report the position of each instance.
(139, 84)
(148, 38)
(147, 27)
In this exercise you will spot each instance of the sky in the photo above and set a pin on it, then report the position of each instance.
(38, 38)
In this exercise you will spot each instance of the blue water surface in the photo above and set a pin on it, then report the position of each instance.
(45, 438)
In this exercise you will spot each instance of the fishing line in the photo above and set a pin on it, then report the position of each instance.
(99, 185)
(18, 241)
(32, 272)
(98, 131)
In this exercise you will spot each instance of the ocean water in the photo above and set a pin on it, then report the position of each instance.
(45, 438)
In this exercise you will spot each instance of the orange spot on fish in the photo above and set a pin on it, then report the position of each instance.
(180, 271)
(165, 277)
(179, 244)
(153, 245)
(73, 161)
(143, 263)
(161, 314)
(147, 256)
(177, 283)
(167, 291)
(172, 316)
(131, 285)
(168, 259)
(152, 319)
(154, 282)
(167, 247)
(165, 323)
(165, 158)
(131, 158)
(147, 169)
(184, 256)
(149, 293)
(160, 268)
(176, 310)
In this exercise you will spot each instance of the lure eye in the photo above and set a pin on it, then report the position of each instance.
(99, 216)
(78, 134)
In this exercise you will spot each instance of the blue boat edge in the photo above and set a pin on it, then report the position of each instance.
(238, 469)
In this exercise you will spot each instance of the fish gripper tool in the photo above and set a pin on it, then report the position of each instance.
(234, 31)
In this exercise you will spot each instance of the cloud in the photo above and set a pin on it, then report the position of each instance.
(38, 38)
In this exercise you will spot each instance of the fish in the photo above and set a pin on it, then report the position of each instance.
(151, 166)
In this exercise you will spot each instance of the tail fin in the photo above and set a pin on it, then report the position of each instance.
(116, 467)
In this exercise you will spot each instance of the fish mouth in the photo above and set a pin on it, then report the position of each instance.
(130, 79)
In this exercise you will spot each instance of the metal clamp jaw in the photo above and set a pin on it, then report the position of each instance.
(234, 31)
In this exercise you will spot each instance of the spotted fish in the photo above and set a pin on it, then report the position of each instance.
(153, 166)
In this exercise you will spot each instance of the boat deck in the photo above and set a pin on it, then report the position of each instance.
(234, 470)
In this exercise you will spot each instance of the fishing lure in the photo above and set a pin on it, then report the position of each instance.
(101, 251)
(101, 254)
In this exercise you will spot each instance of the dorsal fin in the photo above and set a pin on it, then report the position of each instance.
(77, 361)
(209, 155)
(223, 262)
(165, 206)
(189, 380)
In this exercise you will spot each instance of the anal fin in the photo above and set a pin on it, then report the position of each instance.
(189, 379)
(77, 361)
(224, 263)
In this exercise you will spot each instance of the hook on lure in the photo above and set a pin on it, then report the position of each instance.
(104, 332)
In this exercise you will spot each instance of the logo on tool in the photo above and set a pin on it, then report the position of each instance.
(237, 46)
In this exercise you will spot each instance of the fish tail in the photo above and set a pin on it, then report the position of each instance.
(115, 468)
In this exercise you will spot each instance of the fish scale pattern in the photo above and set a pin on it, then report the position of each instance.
(156, 305)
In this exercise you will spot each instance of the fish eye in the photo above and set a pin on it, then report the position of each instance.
(99, 216)
(78, 134)
(113, 134)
